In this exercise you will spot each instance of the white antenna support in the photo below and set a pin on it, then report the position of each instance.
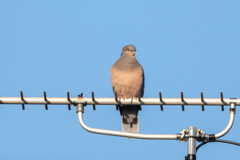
(192, 134)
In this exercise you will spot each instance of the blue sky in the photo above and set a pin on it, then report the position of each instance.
(70, 46)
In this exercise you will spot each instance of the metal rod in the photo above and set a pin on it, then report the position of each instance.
(160, 98)
(115, 96)
(111, 101)
(68, 98)
(116, 100)
(45, 99)
(230, 123)
(139, 100)
(192, 143)
(182, 101)
(221, 94)
(202, 101)
(94, 108)
(191, 149)
(23, 107)
(124, 134)
(192, 130)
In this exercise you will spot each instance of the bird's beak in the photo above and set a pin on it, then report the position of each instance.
(135, 53)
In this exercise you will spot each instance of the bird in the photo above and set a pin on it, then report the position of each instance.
(127, 78)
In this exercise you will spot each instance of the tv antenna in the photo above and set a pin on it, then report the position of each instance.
(190, 135)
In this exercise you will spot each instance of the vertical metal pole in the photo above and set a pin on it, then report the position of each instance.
(192, 133)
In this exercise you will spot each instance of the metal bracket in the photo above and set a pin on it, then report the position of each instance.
(94, 107)
(202, 100)
(188, 133)
(183, 137)
(68, 98)
(221, 95)
(116, 100)
(233, 102)
(182, 101)
(80, 106)
(45, 99)
(23, 107)
(139, 100)
(160, 98)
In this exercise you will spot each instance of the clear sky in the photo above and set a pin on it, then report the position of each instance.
(70, 46)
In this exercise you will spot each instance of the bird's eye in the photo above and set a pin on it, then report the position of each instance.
(128, 49)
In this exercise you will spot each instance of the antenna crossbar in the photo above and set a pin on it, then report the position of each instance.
(111, 101)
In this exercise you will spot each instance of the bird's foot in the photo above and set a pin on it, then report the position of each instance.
(120, 97)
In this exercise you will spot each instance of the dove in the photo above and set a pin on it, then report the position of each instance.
(127, 78)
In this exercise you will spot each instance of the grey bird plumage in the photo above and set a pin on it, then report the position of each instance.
(127, 80)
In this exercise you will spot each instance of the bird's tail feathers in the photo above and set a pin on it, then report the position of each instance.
(130, 127)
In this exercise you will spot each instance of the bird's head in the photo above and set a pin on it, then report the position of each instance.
(129, 49)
